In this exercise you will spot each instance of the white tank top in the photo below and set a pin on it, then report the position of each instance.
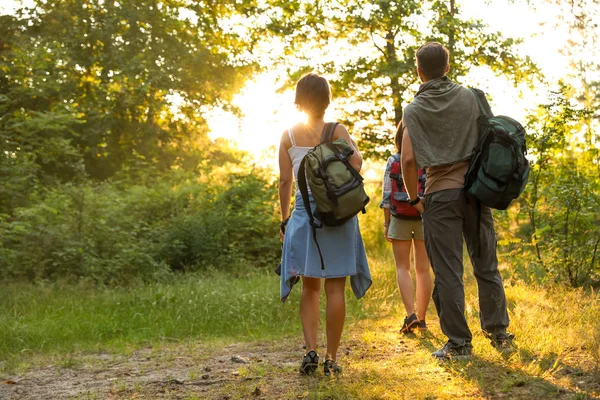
(296, 153)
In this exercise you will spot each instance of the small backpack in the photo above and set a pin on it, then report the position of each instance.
(498, 170)
(335, 185)
(399, 206)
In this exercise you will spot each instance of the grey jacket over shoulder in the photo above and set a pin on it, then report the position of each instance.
(442, 123)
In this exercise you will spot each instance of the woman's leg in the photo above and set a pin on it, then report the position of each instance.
(336, 314)
(405, 285)
(423, 278)
(309, 310)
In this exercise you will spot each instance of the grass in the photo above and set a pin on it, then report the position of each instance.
(557, 329)
(59, 319)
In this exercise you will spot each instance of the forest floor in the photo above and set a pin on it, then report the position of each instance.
(378, 362)
(224, 336)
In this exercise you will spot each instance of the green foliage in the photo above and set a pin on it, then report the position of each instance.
(377, 79)
(236, 226)
(212, 305)
(112, 233)
(553, 233)
(135, 84)
(371, 224)
(102, 131)
(581, 50)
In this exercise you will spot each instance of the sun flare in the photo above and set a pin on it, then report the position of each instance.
(267, 112)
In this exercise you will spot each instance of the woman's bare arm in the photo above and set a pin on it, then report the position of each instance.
(286, 177)
(342, 133)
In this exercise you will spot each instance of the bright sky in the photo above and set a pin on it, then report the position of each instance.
(267, 113)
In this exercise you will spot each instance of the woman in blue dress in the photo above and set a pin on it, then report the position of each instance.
(342, 247)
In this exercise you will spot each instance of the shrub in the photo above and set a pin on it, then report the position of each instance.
(552, 234)
(113, 233)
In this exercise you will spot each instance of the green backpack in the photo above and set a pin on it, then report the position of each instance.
(335, 185)
(498, 170)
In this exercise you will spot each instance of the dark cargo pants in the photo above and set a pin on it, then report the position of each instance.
(450, 215)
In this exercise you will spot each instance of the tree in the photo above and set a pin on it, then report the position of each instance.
(563, 197)
(123, 84)
(35, 129)
(382, 37)
(582, 19)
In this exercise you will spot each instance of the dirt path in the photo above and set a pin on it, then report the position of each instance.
(379, 364)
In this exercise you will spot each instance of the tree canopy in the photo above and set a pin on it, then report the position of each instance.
(373, 81)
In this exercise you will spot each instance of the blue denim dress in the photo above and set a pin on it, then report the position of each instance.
(342, 248)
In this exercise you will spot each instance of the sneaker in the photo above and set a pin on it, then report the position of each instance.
(410, 323)
(330, 366)
(310, 362)
(422, 325)
(452, 353)
(502, 341)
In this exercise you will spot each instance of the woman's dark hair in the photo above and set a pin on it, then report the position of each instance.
(432, 59)
(398, 138)
(313, 94)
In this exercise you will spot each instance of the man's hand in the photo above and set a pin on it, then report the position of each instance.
(419, 207)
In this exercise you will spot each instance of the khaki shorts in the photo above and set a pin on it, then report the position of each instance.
(405, 229)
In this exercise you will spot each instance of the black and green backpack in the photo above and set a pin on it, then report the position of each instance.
(498, 170)
(335, 185)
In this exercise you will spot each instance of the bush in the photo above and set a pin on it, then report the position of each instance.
(552, 234)
(112, 233)
(238, 226)
(371, 224)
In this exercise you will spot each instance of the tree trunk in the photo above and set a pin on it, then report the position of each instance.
(451, 37)
(397, 89)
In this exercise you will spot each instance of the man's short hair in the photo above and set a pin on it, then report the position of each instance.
(313, 94)
(432, 59)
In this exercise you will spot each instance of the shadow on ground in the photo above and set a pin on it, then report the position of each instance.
(496, 379)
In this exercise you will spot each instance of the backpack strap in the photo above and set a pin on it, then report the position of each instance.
(397, 177)
(484, 106)
(303, 186)
(327, 133)
(486, 110)
(327, 138)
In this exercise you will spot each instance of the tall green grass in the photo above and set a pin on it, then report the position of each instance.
(216, 305)
(68, 318)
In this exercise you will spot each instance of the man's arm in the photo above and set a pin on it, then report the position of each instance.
(410, 172)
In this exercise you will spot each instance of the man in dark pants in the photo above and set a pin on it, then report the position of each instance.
(439, 133)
